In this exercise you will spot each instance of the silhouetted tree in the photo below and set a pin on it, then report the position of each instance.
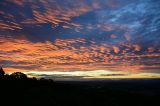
(1, 72)
(34, 78)
(19, 75)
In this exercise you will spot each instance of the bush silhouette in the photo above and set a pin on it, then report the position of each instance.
(2, 73)
(19, 75)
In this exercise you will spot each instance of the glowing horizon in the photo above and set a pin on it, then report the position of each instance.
(88, 75)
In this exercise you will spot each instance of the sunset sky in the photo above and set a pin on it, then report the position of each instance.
(81, 39)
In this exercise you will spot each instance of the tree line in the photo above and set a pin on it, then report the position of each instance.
(19, 76)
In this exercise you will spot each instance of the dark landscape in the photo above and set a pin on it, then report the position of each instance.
(17, 89)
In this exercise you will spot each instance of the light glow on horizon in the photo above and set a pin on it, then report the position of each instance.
(88, 75)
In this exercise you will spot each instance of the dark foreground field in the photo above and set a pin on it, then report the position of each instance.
(135, 92)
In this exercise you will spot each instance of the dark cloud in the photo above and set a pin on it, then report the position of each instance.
(113, 74)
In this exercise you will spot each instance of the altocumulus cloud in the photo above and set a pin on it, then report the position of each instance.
(84, 35)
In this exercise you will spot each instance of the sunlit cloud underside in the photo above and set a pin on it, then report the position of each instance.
(77, 37)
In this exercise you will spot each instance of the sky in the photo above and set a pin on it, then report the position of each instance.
(81, 39)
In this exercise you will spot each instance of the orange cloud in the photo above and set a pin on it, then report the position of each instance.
(116, 49)
(54, 13)
(71, 54)
(137, 47)
(10, 26)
